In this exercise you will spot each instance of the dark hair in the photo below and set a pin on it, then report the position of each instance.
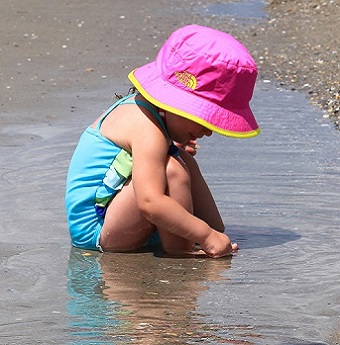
(131, 90)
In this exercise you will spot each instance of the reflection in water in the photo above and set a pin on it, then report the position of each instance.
(139, 298)
(89, 309)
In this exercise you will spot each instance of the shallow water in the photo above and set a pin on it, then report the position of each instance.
(250, 9)
(239, 11)
(278, 193)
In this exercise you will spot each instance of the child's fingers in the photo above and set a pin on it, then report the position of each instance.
(191, 150)
(191, 147)
(234, 246)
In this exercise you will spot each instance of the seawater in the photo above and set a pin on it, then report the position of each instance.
(250, 9)
(278, 195)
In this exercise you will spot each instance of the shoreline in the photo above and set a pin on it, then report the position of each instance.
(298, 48)
(294, 48)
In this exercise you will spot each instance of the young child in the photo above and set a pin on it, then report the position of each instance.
(128, 180)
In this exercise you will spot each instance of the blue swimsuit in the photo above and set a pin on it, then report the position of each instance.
(98, 171)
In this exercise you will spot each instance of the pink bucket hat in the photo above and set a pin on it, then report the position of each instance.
(204, 75)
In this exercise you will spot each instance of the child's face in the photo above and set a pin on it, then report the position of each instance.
(182, 130)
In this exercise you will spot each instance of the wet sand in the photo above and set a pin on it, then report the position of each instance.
(61, 64)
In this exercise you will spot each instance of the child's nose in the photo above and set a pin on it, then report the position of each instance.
(207, 132)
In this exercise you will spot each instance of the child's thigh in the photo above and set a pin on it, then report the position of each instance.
(124, 227)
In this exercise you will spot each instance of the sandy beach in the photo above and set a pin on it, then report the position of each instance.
(298, 47)
(46, 49)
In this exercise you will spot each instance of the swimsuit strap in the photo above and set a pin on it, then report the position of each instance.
(153, 110)
(173, 149)
(113, 106)
(148, 106)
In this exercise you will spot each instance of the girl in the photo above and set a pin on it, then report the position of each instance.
(128, 180)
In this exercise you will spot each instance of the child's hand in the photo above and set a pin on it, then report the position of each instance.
(190, 147)
(218, 245)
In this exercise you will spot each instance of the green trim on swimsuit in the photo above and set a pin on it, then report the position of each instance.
(123, 163)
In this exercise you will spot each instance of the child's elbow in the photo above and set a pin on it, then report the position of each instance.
(149, 208)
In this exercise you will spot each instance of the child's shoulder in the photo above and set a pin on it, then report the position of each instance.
(133, 120)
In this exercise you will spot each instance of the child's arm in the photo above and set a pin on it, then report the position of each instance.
(149, 150)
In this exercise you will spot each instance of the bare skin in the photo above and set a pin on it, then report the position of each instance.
(165, 193)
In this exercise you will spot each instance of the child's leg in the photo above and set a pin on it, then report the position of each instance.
(179, 188)
(124, 228)
(187, 185)
(204, 206)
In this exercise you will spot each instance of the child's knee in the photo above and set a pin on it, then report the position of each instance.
(177, 172)
(190, 162)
